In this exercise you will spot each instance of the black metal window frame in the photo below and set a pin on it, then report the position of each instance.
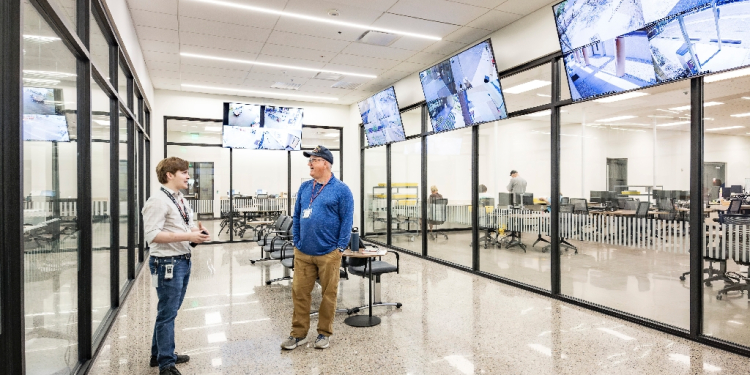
(76, 38)
(231, 182)
(695, 333)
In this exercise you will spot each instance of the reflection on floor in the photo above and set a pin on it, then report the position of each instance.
(451, 322)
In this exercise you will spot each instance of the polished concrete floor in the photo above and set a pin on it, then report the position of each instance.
(451, 322)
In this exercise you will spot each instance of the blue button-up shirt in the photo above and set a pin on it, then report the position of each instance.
(330, 223)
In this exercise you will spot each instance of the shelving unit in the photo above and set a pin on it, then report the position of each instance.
(405, 197)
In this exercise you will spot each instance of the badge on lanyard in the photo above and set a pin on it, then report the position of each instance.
(306, 213)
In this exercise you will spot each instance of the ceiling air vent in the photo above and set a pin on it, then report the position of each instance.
(346, 85)
(377, 38)
(328, 76)
(286, 85)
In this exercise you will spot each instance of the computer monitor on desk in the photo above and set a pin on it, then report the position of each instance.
(597, 196)
(736, 189)
(486, 202)
(525, 199)
(504, 199)
(726, 193)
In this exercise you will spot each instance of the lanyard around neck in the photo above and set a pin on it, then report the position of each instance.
(313, 195)
(183, 214)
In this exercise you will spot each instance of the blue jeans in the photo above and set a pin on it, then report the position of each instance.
(171, 293)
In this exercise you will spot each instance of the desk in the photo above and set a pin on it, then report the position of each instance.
(363, 320)
(626, 213)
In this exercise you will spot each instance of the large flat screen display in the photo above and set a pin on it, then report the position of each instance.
(654, 10)
(464, 90)
(260, 127)
(382, 118)
(43, 118)
(582, 22)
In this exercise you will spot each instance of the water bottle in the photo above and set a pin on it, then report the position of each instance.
(355, 240)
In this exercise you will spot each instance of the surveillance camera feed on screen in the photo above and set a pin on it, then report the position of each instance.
(464, 90)
(381, 118)
(43, 118)
(676, 39)
(280, 128)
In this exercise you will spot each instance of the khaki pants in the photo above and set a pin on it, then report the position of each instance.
(307, 269)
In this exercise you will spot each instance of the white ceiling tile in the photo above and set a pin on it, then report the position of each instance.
(524, 7)
(414, 25)
(161, 65)
(219, 42)
(197, 69)
(426, 58)
(164, 74)
(366, 62)
(228, 30)
(226, 53)
(165, 83)
(161, 35)
(444, 47)
(321, 30)
(154, 19)
(411, 67)
(412, 44)
(161, 56)
(306, 41)
(467, 35)
(261, 72)
(211, 79)
(319, 8)
(155, 45)
(268, 80)
(494, 20)
(381, 5)
(223, 14)
(290, 61)
(480, 3)
(354, 69)
(362, 49)
(322, 82)
(296, 53)
(161, 6)
(438, 10)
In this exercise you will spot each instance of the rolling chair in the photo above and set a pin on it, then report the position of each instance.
(714, 254)
(358, 267)
(631, 205)
(735, 240)
(566, 213)
(278, 236)
(564, 200)
(487, 220)
(437, 213)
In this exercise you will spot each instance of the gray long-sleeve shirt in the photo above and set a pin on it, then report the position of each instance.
(161, 215)
(517, 185)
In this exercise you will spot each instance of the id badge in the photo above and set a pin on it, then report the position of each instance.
(306, 213)
(168, 271)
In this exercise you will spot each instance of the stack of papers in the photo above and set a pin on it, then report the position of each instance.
(373, 251)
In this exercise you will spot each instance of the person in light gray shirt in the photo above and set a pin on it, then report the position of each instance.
(517, 184)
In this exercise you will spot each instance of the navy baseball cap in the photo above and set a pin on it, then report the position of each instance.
(320, 151)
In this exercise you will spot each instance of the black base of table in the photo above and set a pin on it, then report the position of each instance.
(362, 321)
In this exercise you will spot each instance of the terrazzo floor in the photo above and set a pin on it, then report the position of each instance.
(451, 322)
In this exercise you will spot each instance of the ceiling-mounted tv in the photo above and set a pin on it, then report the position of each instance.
(43, 117)
(381, 118)
(464, 90)
(261, 127)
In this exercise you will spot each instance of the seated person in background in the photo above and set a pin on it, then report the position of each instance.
(483, 192)
(517, 184)
(433, 196)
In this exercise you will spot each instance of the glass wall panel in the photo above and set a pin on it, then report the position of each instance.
(210, 194)
(449, 206)
(123, 198)
(259, 182)
(625, 176)
(375, 206)
(528, 89)
(101, 220)
(99, 48)
(412, 121)
(122, 84)
(203, 132)
(726, 178)
(67, 10)
(50, 190)
(406, 175)
(513, 211)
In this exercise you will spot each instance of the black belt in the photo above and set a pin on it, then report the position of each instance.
(183, 256)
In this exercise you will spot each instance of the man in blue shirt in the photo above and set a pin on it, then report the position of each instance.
(323, 217)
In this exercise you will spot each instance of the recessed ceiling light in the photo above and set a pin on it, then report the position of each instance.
(274, 65)
(725, 128)
(727, 75)
(687, 107)
(42, 73)
(618, 118)
(41, 81)
(741, 115)
(674, 123)
(259, 92)
(528, 86)
(617, 98)
(317, 19)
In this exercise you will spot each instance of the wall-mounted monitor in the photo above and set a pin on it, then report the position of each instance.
(654, 10)
(381, 118)
(43, 117)
(260, 127)
(464, 90)
(582, 22)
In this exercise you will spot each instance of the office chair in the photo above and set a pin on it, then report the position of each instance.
(566, 215)
(278, 236)
(631, 205)
(714, 254)
(437, 214)
(736, 242)
(358, 267)
(487, 220)
(515, 226)
(287, 261)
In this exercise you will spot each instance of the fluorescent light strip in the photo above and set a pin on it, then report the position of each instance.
(725, 128)
(617, 98)
(317, 19)
(43, 73)
(528, 86)
(727, 75)
(42, 39)
(259, 92)
(618, 118)
(741, 115)
(674, 123)
(274, 65)
(687, 107)
(42, 81)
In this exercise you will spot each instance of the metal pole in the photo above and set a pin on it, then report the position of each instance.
(696, 207)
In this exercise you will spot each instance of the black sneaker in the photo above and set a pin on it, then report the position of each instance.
(170, 371)
(181, 358)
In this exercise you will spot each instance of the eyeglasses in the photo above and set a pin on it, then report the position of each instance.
(314, 160)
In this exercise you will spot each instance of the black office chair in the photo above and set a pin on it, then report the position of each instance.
(567, 220)
(358, 267)
(273, 240)
(631, 205)
(437, 214)
(487, 221)
(714, 254)
(736, 229)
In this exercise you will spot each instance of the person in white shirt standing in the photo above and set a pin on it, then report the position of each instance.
(170, 231)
